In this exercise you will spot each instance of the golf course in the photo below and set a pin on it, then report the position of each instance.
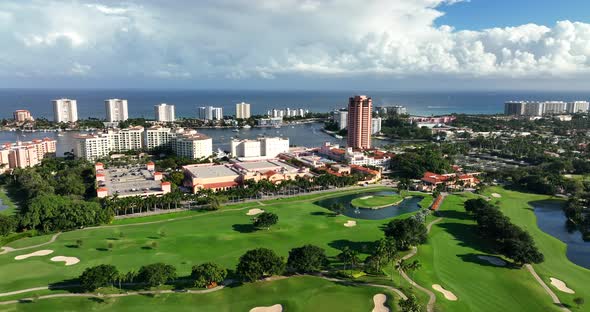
(457, 265)
(377, 201)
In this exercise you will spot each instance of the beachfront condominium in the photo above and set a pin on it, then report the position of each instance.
(341, 118)
(360, 110)
(534, 108)
(164, 112)
(65, 110)
(576, 107)
(242, 110)
(26, 154)
(210, 113)
(22, 115)
(261, 148)
(116, 110)
(376, 125)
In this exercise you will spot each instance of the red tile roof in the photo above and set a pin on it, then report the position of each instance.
(102, 189)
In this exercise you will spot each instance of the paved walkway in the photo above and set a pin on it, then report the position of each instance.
(6, 250)
(548, 290)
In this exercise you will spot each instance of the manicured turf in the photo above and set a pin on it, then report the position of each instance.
(376, 201)
(6, 201)
(517, 206)
(450, 258)
(294, 294)
(220, 237)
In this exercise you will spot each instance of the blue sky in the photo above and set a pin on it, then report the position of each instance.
(296, 44)
(481, 14)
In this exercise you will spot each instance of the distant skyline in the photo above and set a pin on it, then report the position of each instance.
(296, 44)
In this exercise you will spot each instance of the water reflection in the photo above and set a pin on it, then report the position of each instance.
(407, 205)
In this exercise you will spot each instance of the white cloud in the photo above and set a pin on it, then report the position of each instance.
(241, 39)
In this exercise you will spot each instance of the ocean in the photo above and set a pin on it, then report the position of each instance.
(141, 102)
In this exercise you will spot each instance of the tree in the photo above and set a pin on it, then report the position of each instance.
(337, 208)
(265, 220)
(412, 266)
(348, 256)
(579, 301)
(98, 276)
(410, 305)
(306, 259)
(257, 263)
(208, 274)
(406, 232)
(7, 224)
(156, 274)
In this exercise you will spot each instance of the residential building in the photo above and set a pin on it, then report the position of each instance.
(242, 110)
(192, 145)
(396, 110)
(534, 109)
(360, 109)
(514, 108)
(287, 112)
(270, 122)
(26, 154)
(157, 137)
(164, 112)
(376, 125)
(65, 110)
(554, 107)
(578, 107)
(128, 139)
(210, 113)
(92, 146)
(22, 115)
(341, 118)
(261, 148)
(116, 110)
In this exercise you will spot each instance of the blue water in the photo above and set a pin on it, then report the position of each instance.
(551, 219)
(406, 206)
(141, 102)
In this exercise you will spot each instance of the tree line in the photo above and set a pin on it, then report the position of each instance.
(509, 239)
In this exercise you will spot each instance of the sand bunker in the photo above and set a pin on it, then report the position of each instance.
(274, 308)
(253, 212)
(448, 295)
(379, 302)
(350, 223)
(38, 253)
(67, 260)
(496, 195)
(561, 286)
(366, 197)
(493, 260)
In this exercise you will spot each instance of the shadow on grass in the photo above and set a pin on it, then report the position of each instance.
(323, 213)
(474, 258)
(453, 214)
(154, 237)
(102, 249)
(113, 238)
(244, 228)
(72, 246)
(467, 235)
(361, 247)
(96, 300)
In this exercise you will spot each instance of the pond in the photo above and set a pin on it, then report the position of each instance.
(407, 205)
(551, 219)
(2, 206)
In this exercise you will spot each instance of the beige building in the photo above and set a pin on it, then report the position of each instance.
(26, 154)
(22, 115)
(192, 145)
(242, 110)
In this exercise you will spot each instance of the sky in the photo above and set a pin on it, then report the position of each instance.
(296, 44)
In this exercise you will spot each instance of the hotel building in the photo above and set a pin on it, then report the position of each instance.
(261, 148)
(65, 110)
(360, 108)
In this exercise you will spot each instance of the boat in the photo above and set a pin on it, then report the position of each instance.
(236, 130)
(247, 127)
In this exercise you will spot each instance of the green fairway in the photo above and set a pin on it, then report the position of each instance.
(516, 206)
(220, 236)
(6, 201)
(294, 294)
(450, 258)
(376, 201)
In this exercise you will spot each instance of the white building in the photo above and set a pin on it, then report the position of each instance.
(210, 113)
(554, 107)
(192, 145)
(128, 139)
(156, 137)
(116, 110)
(341, 119)
(534, 109)
(92, 146)
(242, 110)
(287, 112)
(375, 125)
(164, 112)
(578, 107)
(261, 148)
(270, 122)
(65, 110)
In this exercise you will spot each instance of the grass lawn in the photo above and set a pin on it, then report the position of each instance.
(516, 206)
(294, 294)
(450, 258)
(376, 201)
(221, 237)
(6, 201)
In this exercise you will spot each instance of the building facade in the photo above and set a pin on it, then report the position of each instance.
(341, 119)
(376, 125)
(116, 110)
(164, 113)
(576, 107)
(261, 148)
(210, 113)
(192, 145)
(26, 154)
(360, 109)
(242, 110)
(65, 110)
(22, 115)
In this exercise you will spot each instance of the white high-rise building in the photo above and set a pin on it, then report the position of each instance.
(210, 113)
(554, 107)
(261, 148)
(376, 125)
(164, 112)
(192, 145)
(92, 146)
(578, 107)
(116, 110)
(65, 110)
(242, 110)
(534, 108)
(341, 118)
(156, 137)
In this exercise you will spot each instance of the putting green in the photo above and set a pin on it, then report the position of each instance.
(377, 201)
(450, 258)
(294, 294)
(516, 205)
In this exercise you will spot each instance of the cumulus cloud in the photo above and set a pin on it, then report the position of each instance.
(240, 39)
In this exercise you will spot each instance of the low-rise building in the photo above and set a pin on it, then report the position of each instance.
(261, 148)
(129, 181)
(430, 180)
(209, 176)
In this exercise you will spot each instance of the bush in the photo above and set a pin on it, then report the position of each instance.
(99, 276)
(257, 263)
(208, 274)
(156, 274)
(306, 259)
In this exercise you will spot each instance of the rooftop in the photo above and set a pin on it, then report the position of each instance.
(264, 165)
(214, 171)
